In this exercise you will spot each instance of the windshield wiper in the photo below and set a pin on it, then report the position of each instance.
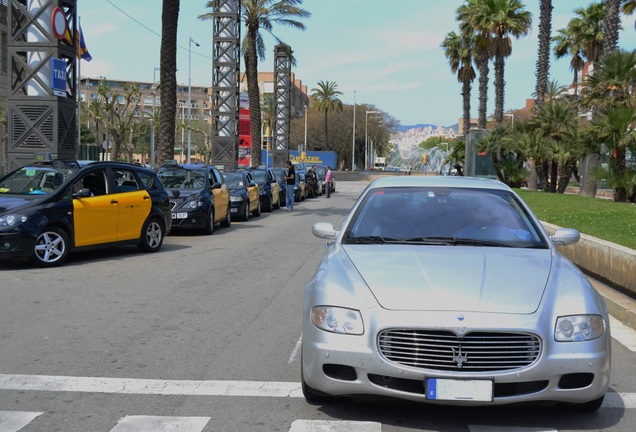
(454, 241)
(369, 240)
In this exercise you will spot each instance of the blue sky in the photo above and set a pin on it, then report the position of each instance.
(386, 51)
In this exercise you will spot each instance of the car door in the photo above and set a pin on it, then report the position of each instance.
(271, 179)
(252, 191)
(95, 218)
(221, 195)
(132, 200)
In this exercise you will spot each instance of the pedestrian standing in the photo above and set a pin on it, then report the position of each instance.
(328, 181)
(290, 182)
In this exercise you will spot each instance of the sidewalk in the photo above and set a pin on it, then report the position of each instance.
(620, 306)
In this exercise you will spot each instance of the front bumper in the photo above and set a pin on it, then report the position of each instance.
(574, 372)
(196, 218)
(14, 244)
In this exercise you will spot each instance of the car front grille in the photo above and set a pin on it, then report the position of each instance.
(472, 352)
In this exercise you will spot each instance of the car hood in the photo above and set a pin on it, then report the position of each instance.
(181, 195)
(457, 278)
(7, 203)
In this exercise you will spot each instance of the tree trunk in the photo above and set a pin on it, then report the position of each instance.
(483, 87)
(251, 71)
(588, 186)
(168, 79)
(500, 84)
(543, 57)
(554, 175)
(611, 24)
(466, 87)
(326, 131)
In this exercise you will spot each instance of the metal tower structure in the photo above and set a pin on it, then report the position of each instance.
(225, 82)
(42, 83)
(282, 100)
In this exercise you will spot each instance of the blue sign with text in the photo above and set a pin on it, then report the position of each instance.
(58, 77)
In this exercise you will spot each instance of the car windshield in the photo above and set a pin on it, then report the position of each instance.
(320, 172)
(234, 180)
(279, 175)
(260, 177)
(443, 216)
(34, 181)
(182, 178)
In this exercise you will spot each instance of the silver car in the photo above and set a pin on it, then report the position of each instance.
(448, 290)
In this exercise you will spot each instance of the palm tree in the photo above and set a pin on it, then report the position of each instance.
(628, 8)
(503, 18)
(260, 15)
(470, 23)
(268, 113)
(568, 42)
(543, 57)
(558, 121)
(611, 25)
(326, 95)
(458, 49)
(588, 22)
(168, 78)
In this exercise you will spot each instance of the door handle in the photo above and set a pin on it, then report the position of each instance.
(114, 201)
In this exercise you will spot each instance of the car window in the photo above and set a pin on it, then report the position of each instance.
(125, 181)
(96, 182)
(150, 181)
(182, 178)
(259, 176)
(33, 181)
(421, 213)
(234, 180)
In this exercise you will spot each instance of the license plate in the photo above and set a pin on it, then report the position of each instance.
(456, 390)
(234, 210)
(179, 215)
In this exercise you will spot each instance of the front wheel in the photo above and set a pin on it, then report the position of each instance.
(51, 248)
(228, 218)
(208, 229)
(257, 212)
(152, 235)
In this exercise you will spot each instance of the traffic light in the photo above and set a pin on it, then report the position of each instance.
(425, 159)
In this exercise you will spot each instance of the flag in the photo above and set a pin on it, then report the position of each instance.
(82, 51)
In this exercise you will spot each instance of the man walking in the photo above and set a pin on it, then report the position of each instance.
(290, 179)
(328, 181)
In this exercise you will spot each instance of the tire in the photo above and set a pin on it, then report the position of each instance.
(225, 223)
(312, 396)
(208, 229)
(269, 207)
(277, 205)
(152, 235)
(257, 212)
(246, 213)
(51, 248)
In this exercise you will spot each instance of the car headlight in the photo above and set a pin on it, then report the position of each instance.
(337, 320)
(12, 220)
(578, 328)
(193, 204)
(235, 198)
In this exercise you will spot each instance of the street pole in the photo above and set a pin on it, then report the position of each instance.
(190, 90)
(152, 121)
(366, 138)
(353, 143)
(305, 128)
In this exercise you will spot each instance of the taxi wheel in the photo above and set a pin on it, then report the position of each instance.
(277, 201)
(270, 206)
(257, 212)
(246, 214)
(228, 219)
(208, 229)
(152, 235)
(51, 248)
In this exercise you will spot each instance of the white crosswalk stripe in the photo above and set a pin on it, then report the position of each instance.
(12, 421)
(334, 426)
(160, 424)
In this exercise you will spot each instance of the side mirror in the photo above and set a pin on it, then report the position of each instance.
(216, 185)
(324, 230)
(565, 236)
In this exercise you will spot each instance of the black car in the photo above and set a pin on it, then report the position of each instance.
(199, 197)
(268, 187)
(49, 209)
(244, 194)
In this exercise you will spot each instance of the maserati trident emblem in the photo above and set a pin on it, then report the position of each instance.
(459, 358)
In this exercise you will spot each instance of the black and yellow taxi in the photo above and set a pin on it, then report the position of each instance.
(49, 209)
(244, 194)
(269, 188)
(199, 197)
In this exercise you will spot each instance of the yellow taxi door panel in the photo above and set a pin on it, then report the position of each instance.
(221, 202)
(254, 198)
(94, 220)
(134, 208)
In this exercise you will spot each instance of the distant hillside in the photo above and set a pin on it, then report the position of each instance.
(404, 128)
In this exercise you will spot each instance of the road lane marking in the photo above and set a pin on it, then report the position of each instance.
(480, 428)
(149, 386)
(294, 353)
(623, 334)
(334, 426)
(12, 421)
(140, 423)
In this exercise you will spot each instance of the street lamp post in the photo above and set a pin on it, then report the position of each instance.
(366, 137)
(190, 42)
(152, 121)
(353, 144)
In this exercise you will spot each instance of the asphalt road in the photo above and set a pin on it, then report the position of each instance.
(204, 336)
